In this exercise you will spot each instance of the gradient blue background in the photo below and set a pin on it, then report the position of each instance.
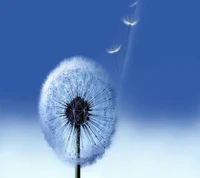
(163, 67)
(158, 85)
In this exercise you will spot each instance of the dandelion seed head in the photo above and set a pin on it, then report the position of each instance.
(77, 93)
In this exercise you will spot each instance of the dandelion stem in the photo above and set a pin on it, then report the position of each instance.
(125, 48)
(78, 167)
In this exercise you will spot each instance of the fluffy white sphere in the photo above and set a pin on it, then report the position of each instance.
(77, 92)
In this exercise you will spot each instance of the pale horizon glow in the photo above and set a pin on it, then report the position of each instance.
(136, 152)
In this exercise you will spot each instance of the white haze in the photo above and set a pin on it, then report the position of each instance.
(136, 152)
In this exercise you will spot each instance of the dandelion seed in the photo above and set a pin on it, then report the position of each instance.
(77, 111)
(130, 22)
(134, 4)
(113, 50)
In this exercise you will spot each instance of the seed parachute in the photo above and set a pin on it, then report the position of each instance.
(133, 4)
(130, 22)
(114, 50)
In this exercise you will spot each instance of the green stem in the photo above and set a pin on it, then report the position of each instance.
(78, 167)
(78, 171)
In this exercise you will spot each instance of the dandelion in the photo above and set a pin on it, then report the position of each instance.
(77, 111)
(133, 4)
(130, 22)
(113, 50)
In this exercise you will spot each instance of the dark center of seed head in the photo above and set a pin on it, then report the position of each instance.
(77, 111)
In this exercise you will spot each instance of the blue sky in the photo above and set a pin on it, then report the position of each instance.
(158, 91)
(162, 68)
(36, 36)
